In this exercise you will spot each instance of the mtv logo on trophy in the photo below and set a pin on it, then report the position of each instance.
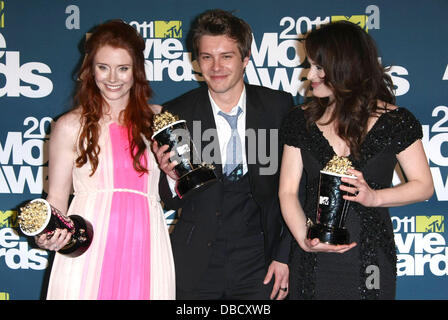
(332, 208)
(193, 175)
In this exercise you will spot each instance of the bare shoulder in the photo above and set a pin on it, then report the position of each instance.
(70, 119)
(67, 126)
(156, 108)
(382, 108)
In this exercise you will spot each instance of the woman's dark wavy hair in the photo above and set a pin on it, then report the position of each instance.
(349, 58)
(218, 22)
(137, 115)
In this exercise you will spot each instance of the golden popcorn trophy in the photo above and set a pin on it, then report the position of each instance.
(193, 175)
(38, 217)
(332, 208)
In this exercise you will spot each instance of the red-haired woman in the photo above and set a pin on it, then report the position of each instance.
(101, 150)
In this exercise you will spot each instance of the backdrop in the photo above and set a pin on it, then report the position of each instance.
(40, 49)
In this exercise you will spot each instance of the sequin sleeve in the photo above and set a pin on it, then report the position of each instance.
(406, 130)
(293, 127)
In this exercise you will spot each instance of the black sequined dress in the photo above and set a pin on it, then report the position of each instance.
(346, 276)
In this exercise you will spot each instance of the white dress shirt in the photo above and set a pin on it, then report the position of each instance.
(224, 132)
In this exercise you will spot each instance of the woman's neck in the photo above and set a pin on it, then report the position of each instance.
(328, 113)
(114, 112)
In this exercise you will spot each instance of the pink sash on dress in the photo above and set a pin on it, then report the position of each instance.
(125, 272)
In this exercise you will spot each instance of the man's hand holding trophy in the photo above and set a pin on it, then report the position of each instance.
(193, 175)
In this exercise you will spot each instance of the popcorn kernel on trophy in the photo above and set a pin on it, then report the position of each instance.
(332, 208)
(38, 217)
(193, 175)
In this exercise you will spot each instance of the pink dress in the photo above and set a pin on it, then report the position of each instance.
(130, 256)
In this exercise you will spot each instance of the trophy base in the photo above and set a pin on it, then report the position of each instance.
(328, 235)
(194, 181)
(81, 239)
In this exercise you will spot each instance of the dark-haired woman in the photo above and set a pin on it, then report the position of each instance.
(101, 150)
(352, 113)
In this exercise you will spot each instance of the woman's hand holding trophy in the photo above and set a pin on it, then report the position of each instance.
(53, 230)
(329, 232)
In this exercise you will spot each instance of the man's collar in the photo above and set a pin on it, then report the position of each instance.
(241, 103)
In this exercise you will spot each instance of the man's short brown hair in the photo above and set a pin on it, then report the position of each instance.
(218, 22)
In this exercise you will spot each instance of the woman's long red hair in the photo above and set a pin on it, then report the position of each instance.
(137, 116)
